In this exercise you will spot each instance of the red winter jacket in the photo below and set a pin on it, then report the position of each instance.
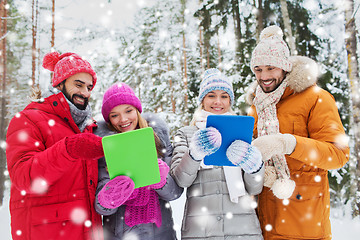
(36, 152)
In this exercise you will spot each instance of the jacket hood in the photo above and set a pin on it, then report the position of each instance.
(304, 74)
(159, 126)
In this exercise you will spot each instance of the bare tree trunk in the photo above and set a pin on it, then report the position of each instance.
(185, 73)
(353, 74)
(237, 28)
(219, 52)
(184, 62)
(201, 46)
(53, 25)
(173, 106)
(3, 121)
(207, 56)
(201, 43)
(34, 18)
(288, 30)
(259, 18)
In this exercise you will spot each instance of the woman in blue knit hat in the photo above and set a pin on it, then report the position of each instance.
(141, 213)
(220, 202)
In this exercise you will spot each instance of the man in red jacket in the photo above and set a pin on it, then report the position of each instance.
(52, 157)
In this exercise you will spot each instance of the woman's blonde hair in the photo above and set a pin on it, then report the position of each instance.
(142, 123)
(197, 113)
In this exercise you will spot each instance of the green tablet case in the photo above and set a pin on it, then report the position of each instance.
(132, 154)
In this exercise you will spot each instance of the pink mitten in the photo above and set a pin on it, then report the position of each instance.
(164, 170)
(116, 192)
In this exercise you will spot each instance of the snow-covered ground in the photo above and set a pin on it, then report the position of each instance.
(343, 227)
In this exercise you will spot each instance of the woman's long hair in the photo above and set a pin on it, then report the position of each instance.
(142, 123)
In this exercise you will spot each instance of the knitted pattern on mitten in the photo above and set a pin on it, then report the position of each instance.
(150, 213)
(204, 142)
(84, 146)
(242, 154)
(164, 170)
(116, 192)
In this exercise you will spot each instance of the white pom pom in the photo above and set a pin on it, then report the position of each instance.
(283, 188)
(271, 31)
(269, 176)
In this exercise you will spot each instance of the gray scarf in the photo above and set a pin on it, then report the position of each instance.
(82, 118)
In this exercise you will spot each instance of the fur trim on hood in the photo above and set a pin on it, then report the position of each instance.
(304, 74)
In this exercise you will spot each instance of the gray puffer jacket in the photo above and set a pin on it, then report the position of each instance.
(209, 213)
(113, 221)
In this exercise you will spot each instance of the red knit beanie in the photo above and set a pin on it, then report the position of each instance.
(66, 65)
(118, 94)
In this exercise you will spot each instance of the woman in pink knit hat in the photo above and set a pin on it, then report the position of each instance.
(143, 212)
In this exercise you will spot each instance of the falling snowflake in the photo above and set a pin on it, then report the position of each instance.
(285, 202)
(78, 215)
(23, 136)
(317, 178)
(3, 144)
(88, 223)
(229, 215)
(268, 227)
(39, 186)
(51, 122)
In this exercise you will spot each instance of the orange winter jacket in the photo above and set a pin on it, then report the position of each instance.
(311, 115)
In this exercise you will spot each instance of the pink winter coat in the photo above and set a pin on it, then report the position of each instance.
(37, 160)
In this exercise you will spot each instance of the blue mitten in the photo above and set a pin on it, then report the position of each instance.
(204, 142)
(246, 156)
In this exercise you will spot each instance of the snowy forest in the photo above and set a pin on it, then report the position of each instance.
(165, 47)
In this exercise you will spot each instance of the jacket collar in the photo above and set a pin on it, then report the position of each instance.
(56, 104)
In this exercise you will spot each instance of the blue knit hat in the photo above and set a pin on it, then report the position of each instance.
(213, 79)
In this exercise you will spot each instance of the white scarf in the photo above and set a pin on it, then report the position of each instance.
(268, 123)
(233, 175)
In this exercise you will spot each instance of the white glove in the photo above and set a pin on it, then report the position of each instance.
(276, 144)
(242, 154)
(204, 142)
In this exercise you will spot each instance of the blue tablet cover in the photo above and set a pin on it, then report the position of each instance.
(232, 128)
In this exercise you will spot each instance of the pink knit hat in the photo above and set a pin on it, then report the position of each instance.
(118, 94)
(271, 50)
(66, 65)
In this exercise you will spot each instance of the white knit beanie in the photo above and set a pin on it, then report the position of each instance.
(213, 79)
(271, 50)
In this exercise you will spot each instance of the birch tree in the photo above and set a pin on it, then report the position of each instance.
(3, 121)
(353, 75)
(34, 18)
(287, 24)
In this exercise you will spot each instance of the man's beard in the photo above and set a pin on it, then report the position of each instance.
(276, 86)
(71, 99)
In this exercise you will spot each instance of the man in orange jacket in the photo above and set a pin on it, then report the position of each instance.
(300, 135)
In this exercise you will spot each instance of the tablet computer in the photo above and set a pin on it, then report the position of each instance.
(231, 128)
(132, 154)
